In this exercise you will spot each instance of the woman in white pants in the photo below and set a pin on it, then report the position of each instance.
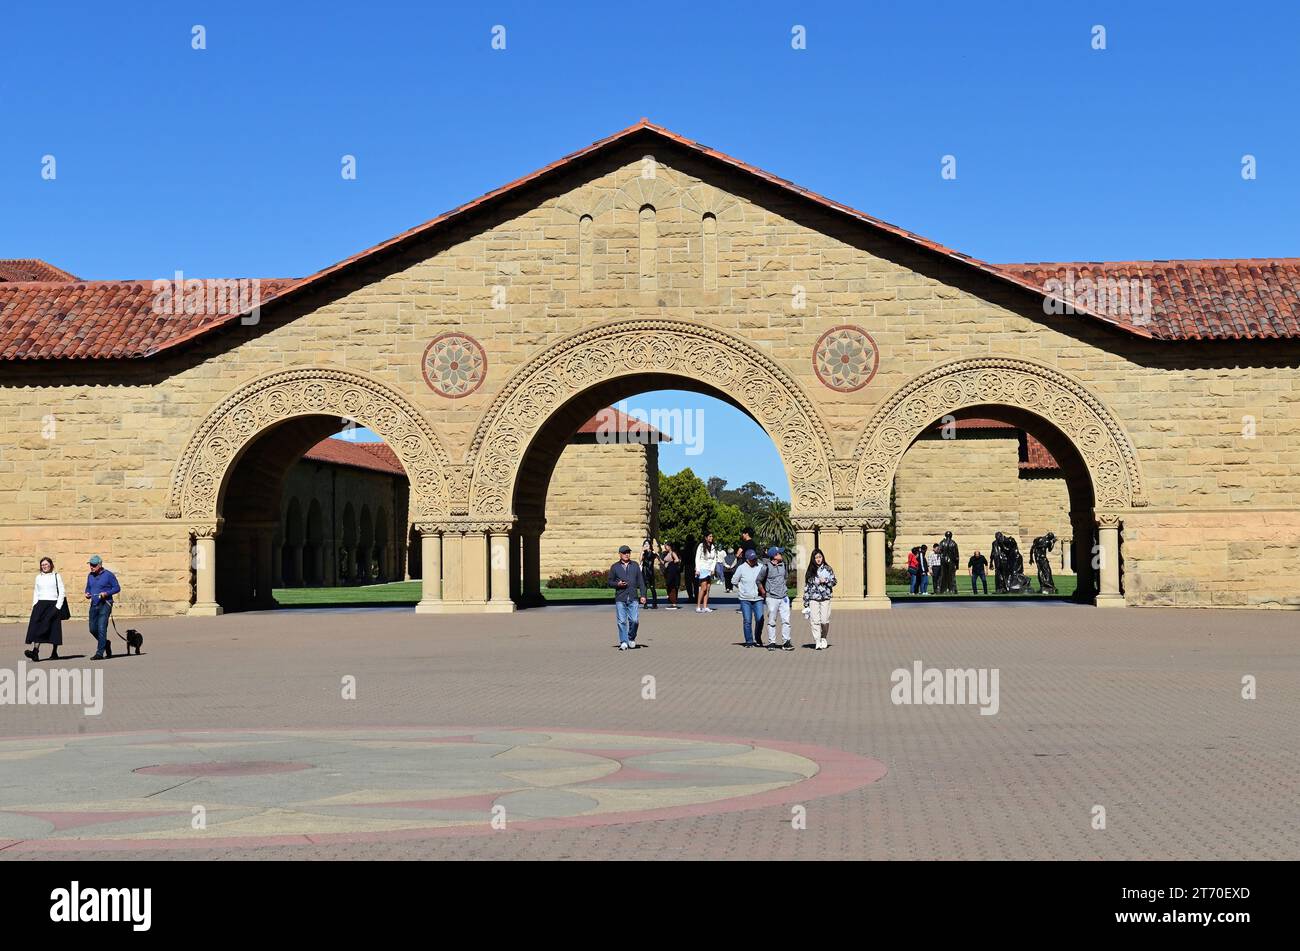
(817, 585)
(707, 555)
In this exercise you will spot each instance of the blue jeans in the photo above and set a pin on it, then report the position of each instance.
(99, 614)
(982, 580)
(751, 613)
(913, 581)
(628, 614)
(923, 579)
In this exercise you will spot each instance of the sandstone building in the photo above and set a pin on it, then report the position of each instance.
(146, 423)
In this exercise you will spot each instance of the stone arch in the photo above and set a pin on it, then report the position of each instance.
(1008, 381)
(629, 348)
(246, 414)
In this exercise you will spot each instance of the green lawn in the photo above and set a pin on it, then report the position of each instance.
(1064, 588)
(397, 592)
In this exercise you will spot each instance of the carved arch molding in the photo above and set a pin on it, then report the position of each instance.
(1046, 392)
(307, 391)
(660, 346)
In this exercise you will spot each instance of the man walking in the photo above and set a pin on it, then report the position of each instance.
(101, 585)
(776, 591)
(746, 543)
(978, 564)
(629, 594)
(748, 583)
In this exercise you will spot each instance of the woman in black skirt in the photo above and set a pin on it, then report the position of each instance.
(48, 599)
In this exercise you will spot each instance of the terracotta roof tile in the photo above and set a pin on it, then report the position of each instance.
(375, 456)
(32, 269)
(611, 419)
(97, 320)
(1234, 299)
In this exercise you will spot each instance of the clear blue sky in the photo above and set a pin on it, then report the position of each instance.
(225, 162)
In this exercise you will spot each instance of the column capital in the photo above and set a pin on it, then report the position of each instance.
(1109, 519)
(207, 529)
(467, 526)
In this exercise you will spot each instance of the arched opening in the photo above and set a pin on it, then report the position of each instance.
(590, 480)
(266, 540)
(982, 470)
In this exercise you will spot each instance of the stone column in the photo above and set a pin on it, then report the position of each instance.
(205, 570)
(830, 542)
(431, 569)
(277, 565)
(516, 574)
(499, 569)
(849, 568)
(1108, 594)
(805, 540)
(475, 565)
(453, 565)
(876, 596)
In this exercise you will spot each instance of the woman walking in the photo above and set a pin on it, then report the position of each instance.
(672, 563)
(49, 600)
(817, 585)
(706, 564)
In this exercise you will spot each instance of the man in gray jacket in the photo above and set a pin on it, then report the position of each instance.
(629, 594)
(747, 580)
(776, 590)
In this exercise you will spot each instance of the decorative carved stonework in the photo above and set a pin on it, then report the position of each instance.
(308, 391)
(631, 347)
(454, 365)
(845, 358)
(206, 529)
(1111, 460)
(1109, 519)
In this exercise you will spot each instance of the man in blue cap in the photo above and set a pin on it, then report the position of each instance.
(629, 594)
(776, 590)
(747, 580)
(101, 585)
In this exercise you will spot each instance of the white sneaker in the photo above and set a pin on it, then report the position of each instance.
(708, 610)
(821, 643)
(699, 610)
(622, 645)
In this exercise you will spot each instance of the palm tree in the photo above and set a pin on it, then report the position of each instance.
(774, 526)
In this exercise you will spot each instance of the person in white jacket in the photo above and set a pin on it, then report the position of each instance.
(48, 598)
(707, 556)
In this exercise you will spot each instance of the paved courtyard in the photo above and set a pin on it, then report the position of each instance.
(534, 722)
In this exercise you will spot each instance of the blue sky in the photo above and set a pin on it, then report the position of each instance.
(225, 161)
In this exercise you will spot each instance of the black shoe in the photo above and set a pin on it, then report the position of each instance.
(772, 647)
(98, 657)
(32, 656)
(787, 646)
(108, 650)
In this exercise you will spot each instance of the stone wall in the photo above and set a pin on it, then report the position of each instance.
(601, 495)
(515, 277)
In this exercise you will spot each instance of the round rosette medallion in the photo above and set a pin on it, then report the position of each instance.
(845, 358)
(454, 365)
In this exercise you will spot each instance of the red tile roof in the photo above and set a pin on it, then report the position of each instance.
(611, 419)
(31, 269)
(1256, 299)
(1237, 299)
(97, 320)
(375, 456)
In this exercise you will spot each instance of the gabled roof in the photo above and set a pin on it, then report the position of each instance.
(114, 319)
(1037, 456)
(31, 269)
(611, 420)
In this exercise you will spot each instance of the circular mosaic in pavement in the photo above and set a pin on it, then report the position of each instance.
(288, 787)
(454, 365)
(845, 358)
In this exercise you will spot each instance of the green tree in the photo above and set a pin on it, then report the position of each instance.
(727, 522)
(685, 509)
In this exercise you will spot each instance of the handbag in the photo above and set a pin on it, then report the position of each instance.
(65, 613)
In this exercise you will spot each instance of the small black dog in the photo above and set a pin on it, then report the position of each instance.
(134, 639)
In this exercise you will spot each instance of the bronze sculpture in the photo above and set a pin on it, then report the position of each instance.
(1038, 554)
(1008, 565)
(947, 564)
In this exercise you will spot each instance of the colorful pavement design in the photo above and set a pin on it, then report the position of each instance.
(294, 787)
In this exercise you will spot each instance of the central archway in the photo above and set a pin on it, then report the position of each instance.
(519, 437)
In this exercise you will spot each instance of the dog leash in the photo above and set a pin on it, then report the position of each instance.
(112, 620)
